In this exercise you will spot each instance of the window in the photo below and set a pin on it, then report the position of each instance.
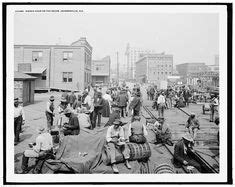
(67, 77)
(44, 77)
(67, 56)
(166, 73)
(169, 72)
(37, 56)
(162, 73)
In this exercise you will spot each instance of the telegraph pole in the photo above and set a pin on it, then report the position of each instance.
(117, 69)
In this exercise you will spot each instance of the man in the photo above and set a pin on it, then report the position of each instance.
(98, 107)
(186, 95)
(114, 115)
(50, 112)
(163, 132)
(214, 107)
(77, 104)
(137, 131)
(182, 153)
(192, 125)
(122, 100)
(152, 92)
(19, 120)
(116, 140)
(66, 96)
(72, 98)
(135, 104)
(86, 100)
(72, 127)
(161, 105)
(107, 97)
(42, 147)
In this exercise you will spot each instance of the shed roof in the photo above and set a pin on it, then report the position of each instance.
(22, 76)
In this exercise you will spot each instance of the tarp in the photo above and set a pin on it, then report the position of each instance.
(68, 159)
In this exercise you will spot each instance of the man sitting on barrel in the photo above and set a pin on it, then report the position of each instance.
(116, 140)
(183, 153)
(137, 131)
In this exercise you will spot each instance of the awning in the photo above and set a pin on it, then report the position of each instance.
(35, 71)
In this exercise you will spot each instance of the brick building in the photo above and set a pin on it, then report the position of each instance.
(154, 68)
(65, 67)
(100, 71)
(188, 68)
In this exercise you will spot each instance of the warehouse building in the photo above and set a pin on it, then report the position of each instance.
(100, 71)
(60, 67)
(154, 68)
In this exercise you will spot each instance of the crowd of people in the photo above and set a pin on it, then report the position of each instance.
(87, 109)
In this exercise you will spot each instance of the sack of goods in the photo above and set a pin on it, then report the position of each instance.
(140, 152)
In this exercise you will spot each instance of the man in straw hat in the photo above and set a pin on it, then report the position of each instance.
(19, 119)
(183, 151)
(116, 140)
(50, 112)
(42, 147)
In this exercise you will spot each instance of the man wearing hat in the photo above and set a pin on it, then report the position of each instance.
(161, 104)
(122, 101)
(116, 140)
(163, 132)
(19, 119)
(63, 105)
(183, 151)
(137, 131)
(192, 125)
(72, 127)
(72, 98)
(42, 147)
(114, 115)
(135, 105)
(50, 112)
(98, 107)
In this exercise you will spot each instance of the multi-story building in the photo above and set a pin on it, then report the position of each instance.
(65, 67)
(188, 68)
(132, 55)
(154, 68)
(100, 71)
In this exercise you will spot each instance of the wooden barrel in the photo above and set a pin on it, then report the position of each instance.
(139, 151)
(163, 168)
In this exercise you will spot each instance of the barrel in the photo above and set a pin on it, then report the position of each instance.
(163, 168)
(139, 151)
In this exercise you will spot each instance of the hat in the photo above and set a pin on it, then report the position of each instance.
(138, 94)
(67, 111)
(16, 99)
(99, 93)
(117, 122)
(52, 98)
(192, 114)
(63, 99)
(41, 129)
(188, 137)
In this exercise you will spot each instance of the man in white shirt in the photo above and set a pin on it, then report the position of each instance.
(42, 147)
(161, 105)
(214, 107)
(87, 100)
(116, 140)
(19, 119)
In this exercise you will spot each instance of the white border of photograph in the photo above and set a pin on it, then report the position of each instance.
(221, 177)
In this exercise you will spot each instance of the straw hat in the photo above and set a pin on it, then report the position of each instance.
(52, 98)
(63, 99)
(67, 111)
(188, 137)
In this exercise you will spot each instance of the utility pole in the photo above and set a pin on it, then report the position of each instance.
(117, 69)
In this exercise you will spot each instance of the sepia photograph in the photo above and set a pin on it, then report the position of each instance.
(128, 93)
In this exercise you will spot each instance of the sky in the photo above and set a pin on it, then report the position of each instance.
(188, 37)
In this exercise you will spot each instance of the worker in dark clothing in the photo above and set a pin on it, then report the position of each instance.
(114, 115)
(122, 100)
(182, 153)
(135, 105)
(72, 127)
(72, 98)
(98, 107)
